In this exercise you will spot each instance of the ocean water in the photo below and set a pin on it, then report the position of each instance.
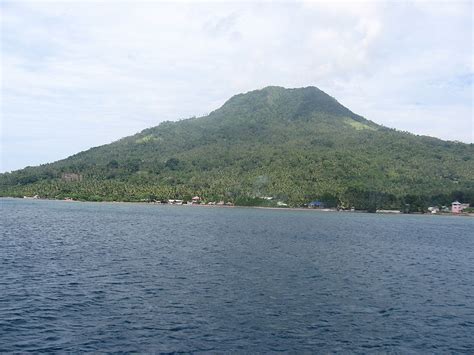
(131, 277)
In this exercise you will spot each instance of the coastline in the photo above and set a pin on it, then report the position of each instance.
(303, 209)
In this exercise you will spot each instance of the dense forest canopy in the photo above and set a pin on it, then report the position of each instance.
(294, 145)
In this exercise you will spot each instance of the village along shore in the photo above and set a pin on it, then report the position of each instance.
(457, 209)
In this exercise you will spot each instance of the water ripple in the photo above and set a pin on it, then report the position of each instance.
(80, 277)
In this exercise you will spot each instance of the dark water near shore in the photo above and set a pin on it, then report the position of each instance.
(129, 277)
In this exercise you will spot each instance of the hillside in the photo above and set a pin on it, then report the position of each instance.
(295, 145)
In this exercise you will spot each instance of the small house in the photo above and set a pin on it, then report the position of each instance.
(316, 204)
(457, 207)
(196, 200)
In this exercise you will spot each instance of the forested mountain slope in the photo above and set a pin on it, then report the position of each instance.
(296, 145)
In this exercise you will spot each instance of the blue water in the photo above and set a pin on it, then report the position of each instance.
(130, 277)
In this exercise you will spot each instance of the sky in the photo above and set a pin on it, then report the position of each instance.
(78, 74)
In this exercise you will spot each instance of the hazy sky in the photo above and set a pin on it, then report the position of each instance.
(77, 74)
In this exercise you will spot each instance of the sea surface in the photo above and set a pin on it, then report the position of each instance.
(121, 277)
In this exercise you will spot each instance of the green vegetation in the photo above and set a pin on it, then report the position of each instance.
(295, 145)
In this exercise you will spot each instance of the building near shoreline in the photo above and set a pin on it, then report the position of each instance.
(316, 204)
(457, 207)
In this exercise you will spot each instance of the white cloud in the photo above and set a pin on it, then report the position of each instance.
(108, 69)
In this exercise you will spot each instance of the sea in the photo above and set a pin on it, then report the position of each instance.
(123, 277)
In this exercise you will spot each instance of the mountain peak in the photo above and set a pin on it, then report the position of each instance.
(288, 103)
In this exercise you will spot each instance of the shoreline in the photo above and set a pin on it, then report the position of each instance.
(326, 210)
